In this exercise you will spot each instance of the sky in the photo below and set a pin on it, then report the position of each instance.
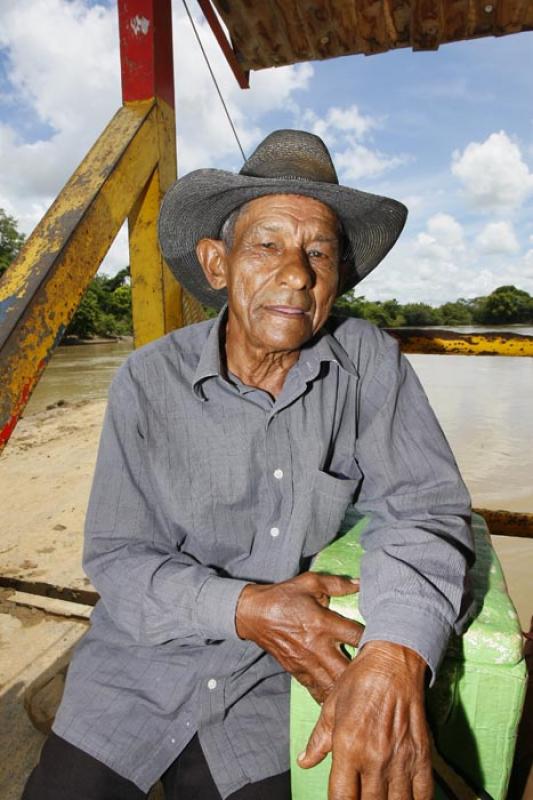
(449, 133)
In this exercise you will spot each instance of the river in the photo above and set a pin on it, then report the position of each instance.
(484, 404)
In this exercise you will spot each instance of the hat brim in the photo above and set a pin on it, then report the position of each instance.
(197, 205)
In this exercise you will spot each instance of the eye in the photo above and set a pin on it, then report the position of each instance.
(315, 254)
(268, 245)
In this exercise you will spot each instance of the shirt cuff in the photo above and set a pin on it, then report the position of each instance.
(421, 631)
(216, 606)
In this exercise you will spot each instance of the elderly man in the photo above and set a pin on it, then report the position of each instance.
(230, 452)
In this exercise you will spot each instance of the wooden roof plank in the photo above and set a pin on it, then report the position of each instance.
(511, 15)
(268, 33)
(372, 26)
(397, 16)
(427, 25)
(484, 18)
(456, 19)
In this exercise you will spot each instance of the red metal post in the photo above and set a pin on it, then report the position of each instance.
(146, 50)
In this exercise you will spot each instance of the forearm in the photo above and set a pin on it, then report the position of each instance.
(418, 544)
(156, 597)
(413, 584)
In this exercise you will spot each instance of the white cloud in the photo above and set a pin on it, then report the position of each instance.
(493, 173)
(63, 67)
(345, 131)
(358, 161)
(446, 229)
(442, 263)
(442, 240)
(348, 121)
(496, 238)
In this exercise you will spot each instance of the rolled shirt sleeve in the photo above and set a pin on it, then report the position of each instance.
(418, 544)
(150, 589)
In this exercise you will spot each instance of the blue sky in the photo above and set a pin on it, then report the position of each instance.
(450, 133)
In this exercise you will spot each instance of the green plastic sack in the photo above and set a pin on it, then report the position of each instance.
(475, 705)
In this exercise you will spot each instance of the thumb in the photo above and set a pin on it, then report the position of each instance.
(318, 746)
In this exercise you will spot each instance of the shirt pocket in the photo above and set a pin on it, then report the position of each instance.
(328, 499)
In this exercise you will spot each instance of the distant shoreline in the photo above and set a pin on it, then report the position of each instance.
(71, 341)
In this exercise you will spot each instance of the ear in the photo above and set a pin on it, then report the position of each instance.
(211, 254)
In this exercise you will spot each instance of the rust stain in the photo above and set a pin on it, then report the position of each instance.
(508, 523)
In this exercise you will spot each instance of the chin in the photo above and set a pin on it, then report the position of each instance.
(286, 343)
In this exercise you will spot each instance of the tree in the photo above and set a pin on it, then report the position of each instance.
(458, 313)
(11, 240)
(421, 314)
(506, 304)
(105, 309)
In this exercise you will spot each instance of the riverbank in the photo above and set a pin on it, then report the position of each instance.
(45, 474)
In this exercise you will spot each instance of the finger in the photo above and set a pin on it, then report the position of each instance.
(374, 787)
(343, 629)
(423, 784)
(318, 683)
(335, 662)
(337, 585)
(318, 746)
(344, 780)
(400, 788)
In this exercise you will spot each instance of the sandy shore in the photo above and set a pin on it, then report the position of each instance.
(45, 478)
(45, 475)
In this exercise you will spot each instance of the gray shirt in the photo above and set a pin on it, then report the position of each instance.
(203, 484)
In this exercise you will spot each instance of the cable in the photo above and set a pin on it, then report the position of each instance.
(191, 20)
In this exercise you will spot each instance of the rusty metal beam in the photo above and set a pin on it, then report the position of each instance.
(41, 290)
(242, 75)
(417, 340)
(41, 589)
(507, 523)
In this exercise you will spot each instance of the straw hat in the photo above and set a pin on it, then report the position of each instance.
(286, 162)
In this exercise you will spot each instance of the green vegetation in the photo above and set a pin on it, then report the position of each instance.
(505, 305)
(105, 309)
(11, 240)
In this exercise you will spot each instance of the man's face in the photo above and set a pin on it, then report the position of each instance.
(282, 272)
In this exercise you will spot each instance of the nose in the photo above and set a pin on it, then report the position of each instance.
(295, 270)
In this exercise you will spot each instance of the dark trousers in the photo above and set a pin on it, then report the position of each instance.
(66, 773)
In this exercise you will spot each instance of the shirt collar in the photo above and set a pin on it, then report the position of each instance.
(323, 347)
(210, 364)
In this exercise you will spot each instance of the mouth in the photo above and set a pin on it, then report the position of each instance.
(287, 311)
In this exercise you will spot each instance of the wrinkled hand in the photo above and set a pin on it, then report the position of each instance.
(374, 724)
(291, 620)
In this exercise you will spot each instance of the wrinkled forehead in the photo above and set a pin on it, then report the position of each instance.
(277, 209)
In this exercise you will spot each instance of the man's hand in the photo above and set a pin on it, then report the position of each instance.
(374, 724)
(291, 620)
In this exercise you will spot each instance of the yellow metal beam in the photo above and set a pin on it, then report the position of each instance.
(159, 303)
(416, 340)
(41, 290)
(508, 523)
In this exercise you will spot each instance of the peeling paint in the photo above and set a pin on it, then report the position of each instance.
(140, 25)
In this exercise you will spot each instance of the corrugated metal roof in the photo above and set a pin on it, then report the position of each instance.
(268, 33)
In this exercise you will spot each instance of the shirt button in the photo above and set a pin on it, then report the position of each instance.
(211, 684)
(278, 473)
(274, 532)
(173, 741)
